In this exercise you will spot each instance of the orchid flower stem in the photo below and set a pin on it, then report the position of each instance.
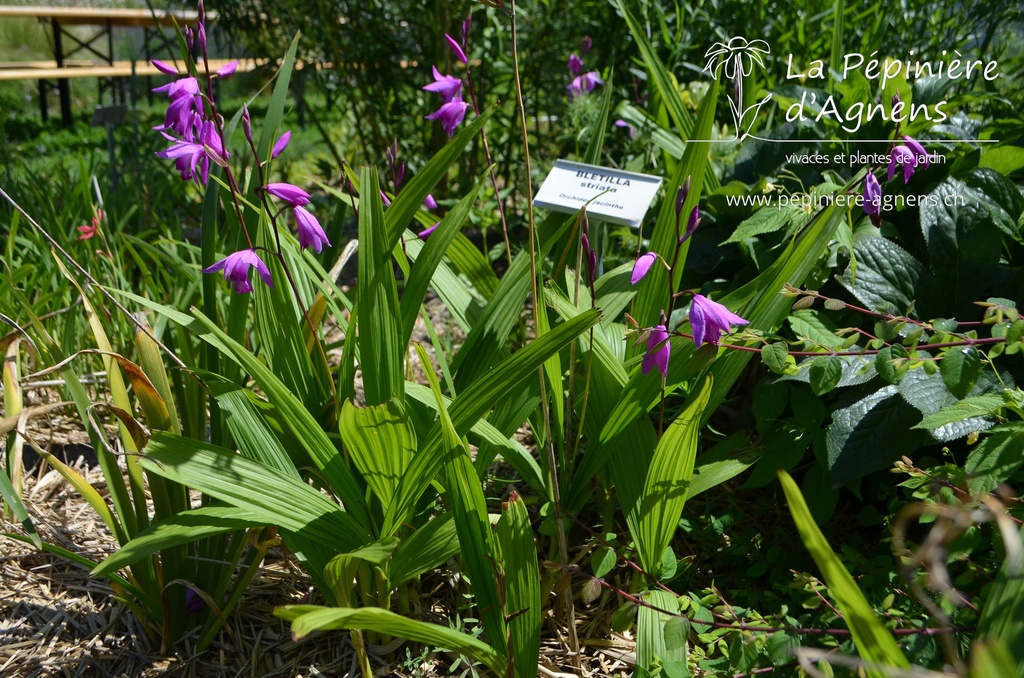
(556, 499)
(494, 176)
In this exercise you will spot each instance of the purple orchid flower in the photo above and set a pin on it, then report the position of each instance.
(429, 202)
(291, 194)
(657, 350)
(311, 234)
(710, 320)
(629, 128)
(642, 266)
(448, 87)
(901, 155)
(585, 83)
(456, 49)
(236, 270)
(920, 154)
(450, 114)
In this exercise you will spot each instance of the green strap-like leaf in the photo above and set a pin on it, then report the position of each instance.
(381, 349)
(522, 586)
(668, 480)
(269, 496)
(308, 618)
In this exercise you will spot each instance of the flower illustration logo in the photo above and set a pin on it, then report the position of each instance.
(737, 58)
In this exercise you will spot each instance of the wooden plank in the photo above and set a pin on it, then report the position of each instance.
(67, 16)
(121, 69)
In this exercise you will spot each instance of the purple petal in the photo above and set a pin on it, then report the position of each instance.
(291, 194)
(575, 64)
(429, 202)
(311, 234)
(920, 154)
(658, 351)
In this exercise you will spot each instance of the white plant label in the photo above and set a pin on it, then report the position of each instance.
(610, 195)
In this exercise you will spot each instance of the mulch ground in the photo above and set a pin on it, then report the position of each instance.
(56, 620)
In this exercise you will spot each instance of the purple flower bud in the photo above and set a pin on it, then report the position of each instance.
(247, 124)
(201, 36)
(429, 202)
(691, 224)
(456, 49)
(291, 194)
(164, 68)
(642, 266)
(895, 99)
(575, 64)
(591, 257)
(281, 144)
(586, 44)
(465, 27)
(384, 199)
(193, 603)
(873, 198)
(227, 69)
(426, 233)
(657, 350)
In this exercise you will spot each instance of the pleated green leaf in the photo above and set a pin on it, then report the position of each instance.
(340, 572)
(472, 404)
(293, 415)
(308, 618)
(428, 547)
(249, 430)
(381, 441)
(874, 642)
(668, 481)
(176, 530)
(381, 349)
(651, 637)
(522, 586)
(269, 496)
(465, 499)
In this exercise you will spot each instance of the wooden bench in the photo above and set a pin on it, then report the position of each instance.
(48, 70)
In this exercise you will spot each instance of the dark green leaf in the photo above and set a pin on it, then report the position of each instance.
(960, 369)
(995, 458)
(825, 374)
(774, 356)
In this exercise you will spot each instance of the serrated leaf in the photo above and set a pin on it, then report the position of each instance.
(765, 220)
(809, 325)
(975, 406)
(825, 374)
(774, 356)
(887, 275)
(870, 434)
(995, 459)
(780, 648)
(960, 369)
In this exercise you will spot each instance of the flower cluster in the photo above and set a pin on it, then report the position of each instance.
(195, 130)
(709, 320)
(582, 83)
(910, 155)
(453, 108)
